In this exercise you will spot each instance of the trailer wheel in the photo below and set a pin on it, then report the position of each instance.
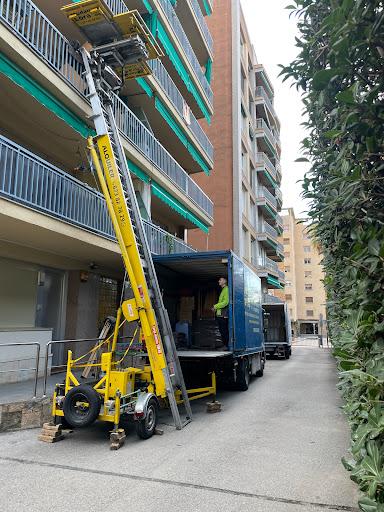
(81, 406)
(243, 376)
(146, 428)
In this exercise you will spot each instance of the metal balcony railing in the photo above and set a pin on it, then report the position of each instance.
(262, 158)
(270, 299)
(260, 91)
(202, 23)
(280, 247)
(264, 192)
(264, 227)
(142, 139)
(281, 275)
(186, 45)
(279, 220)
(278, 193)
(30, 24)
(268, 264)
(262, 125)
(277, 137)
(173, 93)
(27, 179)
(117, 6)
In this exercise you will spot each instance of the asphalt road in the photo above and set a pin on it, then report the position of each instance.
(274, 448)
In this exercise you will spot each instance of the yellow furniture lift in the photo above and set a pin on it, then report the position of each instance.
(121, 45)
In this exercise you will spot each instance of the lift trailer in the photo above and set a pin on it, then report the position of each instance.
(121, 45)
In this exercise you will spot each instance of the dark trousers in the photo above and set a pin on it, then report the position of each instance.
(224, 330)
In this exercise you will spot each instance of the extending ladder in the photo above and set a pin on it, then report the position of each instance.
(147, 307)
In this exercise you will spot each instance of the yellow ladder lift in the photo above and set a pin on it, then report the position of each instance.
(121, 45)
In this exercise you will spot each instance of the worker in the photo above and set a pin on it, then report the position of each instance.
(222, 311)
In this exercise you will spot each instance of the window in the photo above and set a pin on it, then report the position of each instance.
(309, 312)
(308, 273)
(244, 201)
(307, 287)
(287, 284)
(288, 296)
(287, 255)
(307, 248)
(286, 227)
(307, 261)
(309, 300)
(287, 269)
(286, 241)
(306, 235)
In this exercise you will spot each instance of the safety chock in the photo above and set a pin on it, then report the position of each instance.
(51, 433)
(214, 406)
(117, 439)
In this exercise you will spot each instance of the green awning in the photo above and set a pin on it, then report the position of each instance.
(273, 280)
(243, 111)
(162, 194)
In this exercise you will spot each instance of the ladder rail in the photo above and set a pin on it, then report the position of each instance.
(133, 240)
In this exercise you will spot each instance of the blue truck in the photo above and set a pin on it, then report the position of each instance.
(189, 284)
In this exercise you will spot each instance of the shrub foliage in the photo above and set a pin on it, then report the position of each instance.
(340, 70)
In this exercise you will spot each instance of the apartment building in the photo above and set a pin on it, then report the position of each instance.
(245, 183)
(304, 291)
(60, 266)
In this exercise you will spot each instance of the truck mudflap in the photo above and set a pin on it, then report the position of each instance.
(282, 350)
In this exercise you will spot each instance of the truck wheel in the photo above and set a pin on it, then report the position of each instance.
(146, 428)
(81, 406)
(287, 353)
(243, 375)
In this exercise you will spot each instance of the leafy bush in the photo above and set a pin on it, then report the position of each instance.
(340, 69)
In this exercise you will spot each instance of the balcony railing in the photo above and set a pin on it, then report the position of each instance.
(173, 93)
(264, 192)
(268, 264)
(264, 227)
(281, 275)
(270, 299)
(279, 220)
(260, 91)
(117, 6)
(183, 40)
(262, 125)
(277, 137)
(280, 247)
(143, 140)
(202, 23)
(27, 179)
(262, 158)
(37, 31)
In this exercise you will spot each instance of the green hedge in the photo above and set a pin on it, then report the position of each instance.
(340, 70)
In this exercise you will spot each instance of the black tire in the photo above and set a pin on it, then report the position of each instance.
(78, 415)
(146, 428)
(243, 376)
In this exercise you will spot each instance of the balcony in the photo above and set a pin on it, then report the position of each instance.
(281, 276)
(197, 33)
(264, 230)
(267, 264)
(28, 23)
(173, 20)
(261, 95)
(279, 221)
(265, 198)
(206, 6)
(173, 93)
(30, 181)
(265, 137)
(270, 299)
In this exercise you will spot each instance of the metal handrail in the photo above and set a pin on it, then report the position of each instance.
(173, 93)
(264, 192)
(262, 125)
(281, 275)
(264, 227)
(186, 45)
(265, 262)
(49, 344)
(37, 361)
(202, 23)
(260, 91)
(31, 181)
(31, 25)
(263, 158)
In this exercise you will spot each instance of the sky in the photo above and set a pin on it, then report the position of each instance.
(272, 34)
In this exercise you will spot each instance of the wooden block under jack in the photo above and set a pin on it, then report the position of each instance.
(214, 406)
(50, 426)
(50, 439)
(51, 433)
(117, 439)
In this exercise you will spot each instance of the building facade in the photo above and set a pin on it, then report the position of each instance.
(245, 182)
(304, 291)
(60, 266)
